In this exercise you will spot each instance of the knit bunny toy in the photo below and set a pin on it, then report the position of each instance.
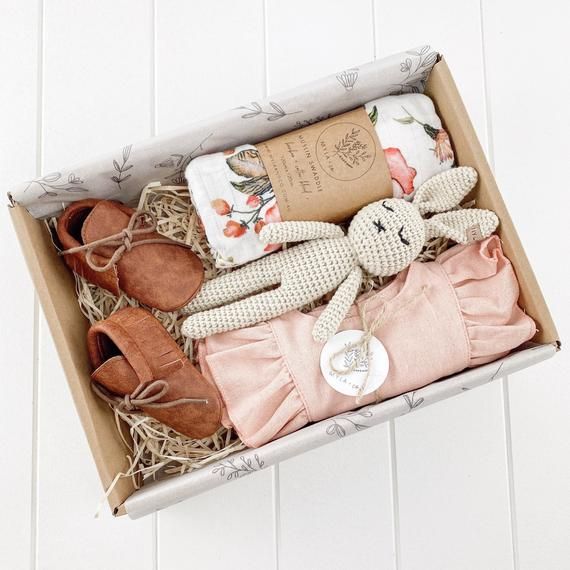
(383, 238)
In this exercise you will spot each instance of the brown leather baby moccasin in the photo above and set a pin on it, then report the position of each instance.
(118, 249)
(139, 367)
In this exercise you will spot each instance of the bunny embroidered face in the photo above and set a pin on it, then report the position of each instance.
(387, 236)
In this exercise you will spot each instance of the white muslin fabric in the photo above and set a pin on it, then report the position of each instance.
(234, 199)
(415, 144)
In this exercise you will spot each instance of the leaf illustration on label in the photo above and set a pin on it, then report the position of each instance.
(247, 163)
(351, 149)
(354, 357)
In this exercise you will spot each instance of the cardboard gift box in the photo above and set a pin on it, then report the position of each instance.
(165, 158)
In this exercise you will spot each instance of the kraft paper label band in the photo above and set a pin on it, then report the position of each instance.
(329, 170)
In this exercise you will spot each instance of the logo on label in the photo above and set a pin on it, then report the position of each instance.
(350, 367)
(346, 151)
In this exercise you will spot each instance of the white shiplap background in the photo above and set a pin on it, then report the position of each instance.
(478, 482)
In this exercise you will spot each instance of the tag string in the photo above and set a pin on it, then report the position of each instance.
(362, 347)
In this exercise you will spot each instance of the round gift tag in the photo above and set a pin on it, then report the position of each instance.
(342, 344)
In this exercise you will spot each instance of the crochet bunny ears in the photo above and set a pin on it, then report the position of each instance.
(443, 192)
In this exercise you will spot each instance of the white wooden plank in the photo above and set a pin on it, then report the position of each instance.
(452, 484)
(426, 532)
(18, 105)
(454, 32)
(210, 57)
(307, 40)
(339, 495)
(96, 96)
(229, 527)
(97, 75)
(69, 489)
(336, 505)
(528, 87)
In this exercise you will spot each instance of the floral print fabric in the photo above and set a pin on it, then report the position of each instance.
(415, 144)
(234, 197)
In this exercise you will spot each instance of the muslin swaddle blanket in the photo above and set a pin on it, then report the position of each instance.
(415, 145)
(234, 198)
(440, 317)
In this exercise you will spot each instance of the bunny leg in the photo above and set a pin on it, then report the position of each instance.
(241, 314)
(329, 320)
(236, 284)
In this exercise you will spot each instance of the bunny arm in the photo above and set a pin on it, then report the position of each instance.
(237, 284)
(329, 320)
(283, 232)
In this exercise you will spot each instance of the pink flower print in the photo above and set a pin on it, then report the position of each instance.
(234, 229)
(253, 201)
(443, 150)
(399, 170)
(221, 207)
(272, 247)
(273, 215)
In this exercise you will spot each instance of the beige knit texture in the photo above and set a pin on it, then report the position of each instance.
(383, 238)
(304, 273)
(285, 232)
(446, 190)
(329, 320)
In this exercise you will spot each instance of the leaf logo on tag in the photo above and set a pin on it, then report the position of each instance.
(355, 356)
(341, 348)
(312, 170)
(346, 151)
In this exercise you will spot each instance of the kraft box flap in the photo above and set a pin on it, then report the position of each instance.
(468, 151)
(55, 287)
